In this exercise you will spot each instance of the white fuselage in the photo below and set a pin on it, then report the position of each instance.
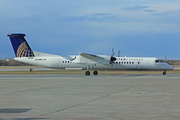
(86, 61)
(121, 63)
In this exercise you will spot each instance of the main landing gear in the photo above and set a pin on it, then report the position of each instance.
(89, 68)
(87, 73)
(164, 73)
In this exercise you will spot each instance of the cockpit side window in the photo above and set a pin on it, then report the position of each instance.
(159, 61)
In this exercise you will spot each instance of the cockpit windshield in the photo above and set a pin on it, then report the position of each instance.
(159, 61)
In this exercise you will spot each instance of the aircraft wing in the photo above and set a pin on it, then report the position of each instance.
(90, 56)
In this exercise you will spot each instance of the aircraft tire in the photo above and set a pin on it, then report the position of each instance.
(95, 72)
(87, 73)
(164, 73)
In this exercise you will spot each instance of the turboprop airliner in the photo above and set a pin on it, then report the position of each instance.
(83, 61)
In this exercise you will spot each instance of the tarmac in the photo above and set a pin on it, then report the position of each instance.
(101, 97)
(26, 69)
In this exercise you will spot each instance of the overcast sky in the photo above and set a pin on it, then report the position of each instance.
(138, 28)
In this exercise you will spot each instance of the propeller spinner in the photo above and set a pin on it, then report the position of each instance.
(112, 59)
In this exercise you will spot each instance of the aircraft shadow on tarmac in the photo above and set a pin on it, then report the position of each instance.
(13, 110)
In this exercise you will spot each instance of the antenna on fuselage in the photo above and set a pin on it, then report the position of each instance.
(165, 57)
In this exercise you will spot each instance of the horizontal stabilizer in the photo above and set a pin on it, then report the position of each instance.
(40, 54)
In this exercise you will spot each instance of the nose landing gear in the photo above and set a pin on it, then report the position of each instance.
(164, 73)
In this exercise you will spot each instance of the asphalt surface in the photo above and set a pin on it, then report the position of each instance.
(101, 97)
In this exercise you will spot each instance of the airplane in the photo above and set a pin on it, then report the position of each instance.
(83, 61)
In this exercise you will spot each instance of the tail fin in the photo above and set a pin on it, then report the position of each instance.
(20, 46)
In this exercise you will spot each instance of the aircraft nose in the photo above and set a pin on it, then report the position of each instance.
(169, 67)
(172, 68)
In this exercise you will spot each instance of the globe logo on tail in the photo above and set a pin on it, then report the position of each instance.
(24, 51)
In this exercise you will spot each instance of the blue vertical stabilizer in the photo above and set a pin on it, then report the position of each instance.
(20, 46)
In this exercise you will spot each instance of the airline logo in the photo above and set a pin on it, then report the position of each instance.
(24, 51)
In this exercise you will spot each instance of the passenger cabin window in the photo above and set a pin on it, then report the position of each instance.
(159, 61)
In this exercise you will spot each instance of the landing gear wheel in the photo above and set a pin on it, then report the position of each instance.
(95, 72)
(87, 73)
(164, 73)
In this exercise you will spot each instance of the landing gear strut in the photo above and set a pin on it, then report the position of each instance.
(164, 73)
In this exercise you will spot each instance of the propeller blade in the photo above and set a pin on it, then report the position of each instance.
(112, 59)
(112, 52)
(119, 53)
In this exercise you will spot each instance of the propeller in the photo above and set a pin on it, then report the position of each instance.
(112, 59)
(112, 52)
